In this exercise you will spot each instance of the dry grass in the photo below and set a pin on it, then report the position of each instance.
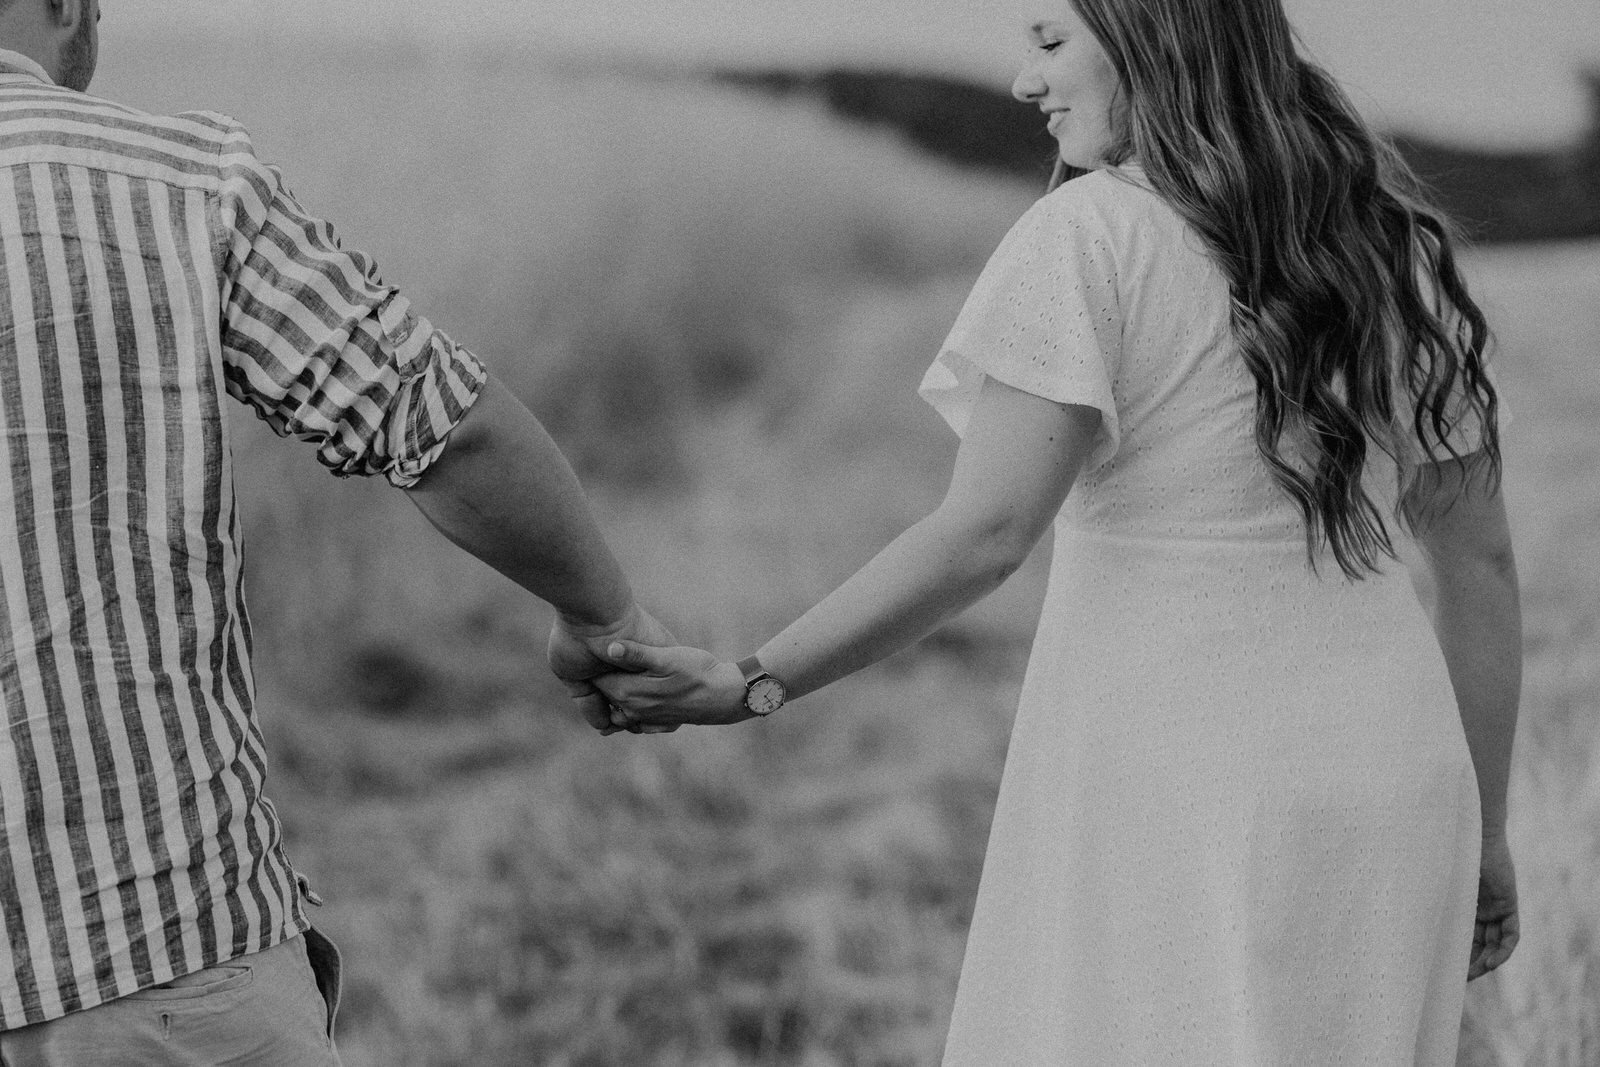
(722, 306)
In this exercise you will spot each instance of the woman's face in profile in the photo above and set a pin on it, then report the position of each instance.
(1069, 78)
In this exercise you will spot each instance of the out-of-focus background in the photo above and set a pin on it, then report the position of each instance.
(713, 243)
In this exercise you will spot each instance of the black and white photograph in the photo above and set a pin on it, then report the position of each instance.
(828, 533)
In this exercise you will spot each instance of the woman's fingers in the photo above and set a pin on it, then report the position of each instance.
(1484, 938)
(1492, 945)
(605, 699)
(1498, 927)
(623, 719)
(591, 703)
(1507, 936)
(636, 691)
(669, 687)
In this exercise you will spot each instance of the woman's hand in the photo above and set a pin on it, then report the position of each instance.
(577, 654)
(671, 687)
(1498, 926)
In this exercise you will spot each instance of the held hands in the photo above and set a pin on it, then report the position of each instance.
(664, 688)
(1498, 927)
(577, 657)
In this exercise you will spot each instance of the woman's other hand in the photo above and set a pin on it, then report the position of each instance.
(671, 687)
(1498, 927)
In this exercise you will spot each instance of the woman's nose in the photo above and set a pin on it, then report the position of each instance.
(1028, 86)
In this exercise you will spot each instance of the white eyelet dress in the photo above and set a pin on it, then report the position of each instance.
(1238, 824)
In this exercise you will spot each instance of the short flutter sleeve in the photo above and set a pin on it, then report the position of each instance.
(1044, 317)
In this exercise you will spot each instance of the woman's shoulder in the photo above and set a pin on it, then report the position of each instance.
(1110, 191)
(1110, 205)
(1106, 222)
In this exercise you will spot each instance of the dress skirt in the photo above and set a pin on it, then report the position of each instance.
(1238, 823)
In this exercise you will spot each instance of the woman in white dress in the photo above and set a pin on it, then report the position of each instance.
(1253, 811)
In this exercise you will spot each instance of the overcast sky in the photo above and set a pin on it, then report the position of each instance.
(1484, 71)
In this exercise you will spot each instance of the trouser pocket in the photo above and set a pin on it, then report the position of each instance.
(328, 967)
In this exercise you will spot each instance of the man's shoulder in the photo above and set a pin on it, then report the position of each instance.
(190, 139)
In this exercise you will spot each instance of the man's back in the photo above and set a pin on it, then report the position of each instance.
(153, 266)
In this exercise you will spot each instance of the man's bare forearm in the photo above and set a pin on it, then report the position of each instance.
(503, 491)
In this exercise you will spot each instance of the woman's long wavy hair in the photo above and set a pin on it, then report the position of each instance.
(1347, 301)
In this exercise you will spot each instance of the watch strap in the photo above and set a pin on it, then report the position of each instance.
(751, 668)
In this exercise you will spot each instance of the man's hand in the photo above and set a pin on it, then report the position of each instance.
(577, 656)
(672, 687)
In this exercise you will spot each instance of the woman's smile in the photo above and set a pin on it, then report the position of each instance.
(1066, 62)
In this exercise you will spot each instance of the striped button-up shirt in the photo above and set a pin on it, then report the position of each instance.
(150, 268)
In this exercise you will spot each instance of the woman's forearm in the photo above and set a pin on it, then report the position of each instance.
(1017, 463)
(929, 573)
(1478, 620)
(1016, 466)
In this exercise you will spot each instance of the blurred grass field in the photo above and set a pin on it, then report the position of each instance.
(721, 306)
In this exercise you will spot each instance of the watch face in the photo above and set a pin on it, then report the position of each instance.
(765, 696)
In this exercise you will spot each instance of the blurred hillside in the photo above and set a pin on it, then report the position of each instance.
(1498, 196)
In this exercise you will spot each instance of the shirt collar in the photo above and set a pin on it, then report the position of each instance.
(15, 63)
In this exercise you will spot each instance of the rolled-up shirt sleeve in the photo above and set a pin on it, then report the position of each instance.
(318, 345)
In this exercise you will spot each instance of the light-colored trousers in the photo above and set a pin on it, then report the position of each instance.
(267, 1009)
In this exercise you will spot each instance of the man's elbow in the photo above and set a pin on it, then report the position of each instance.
(473, 437)
(477, 429)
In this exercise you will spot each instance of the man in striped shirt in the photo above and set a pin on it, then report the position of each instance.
(151, 268)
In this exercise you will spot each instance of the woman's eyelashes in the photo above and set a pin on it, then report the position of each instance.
(1046, 37)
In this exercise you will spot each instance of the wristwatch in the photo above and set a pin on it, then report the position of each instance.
(763, 694)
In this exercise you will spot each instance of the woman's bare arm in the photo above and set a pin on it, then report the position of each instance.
(1477, 614)
(1015, 467)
